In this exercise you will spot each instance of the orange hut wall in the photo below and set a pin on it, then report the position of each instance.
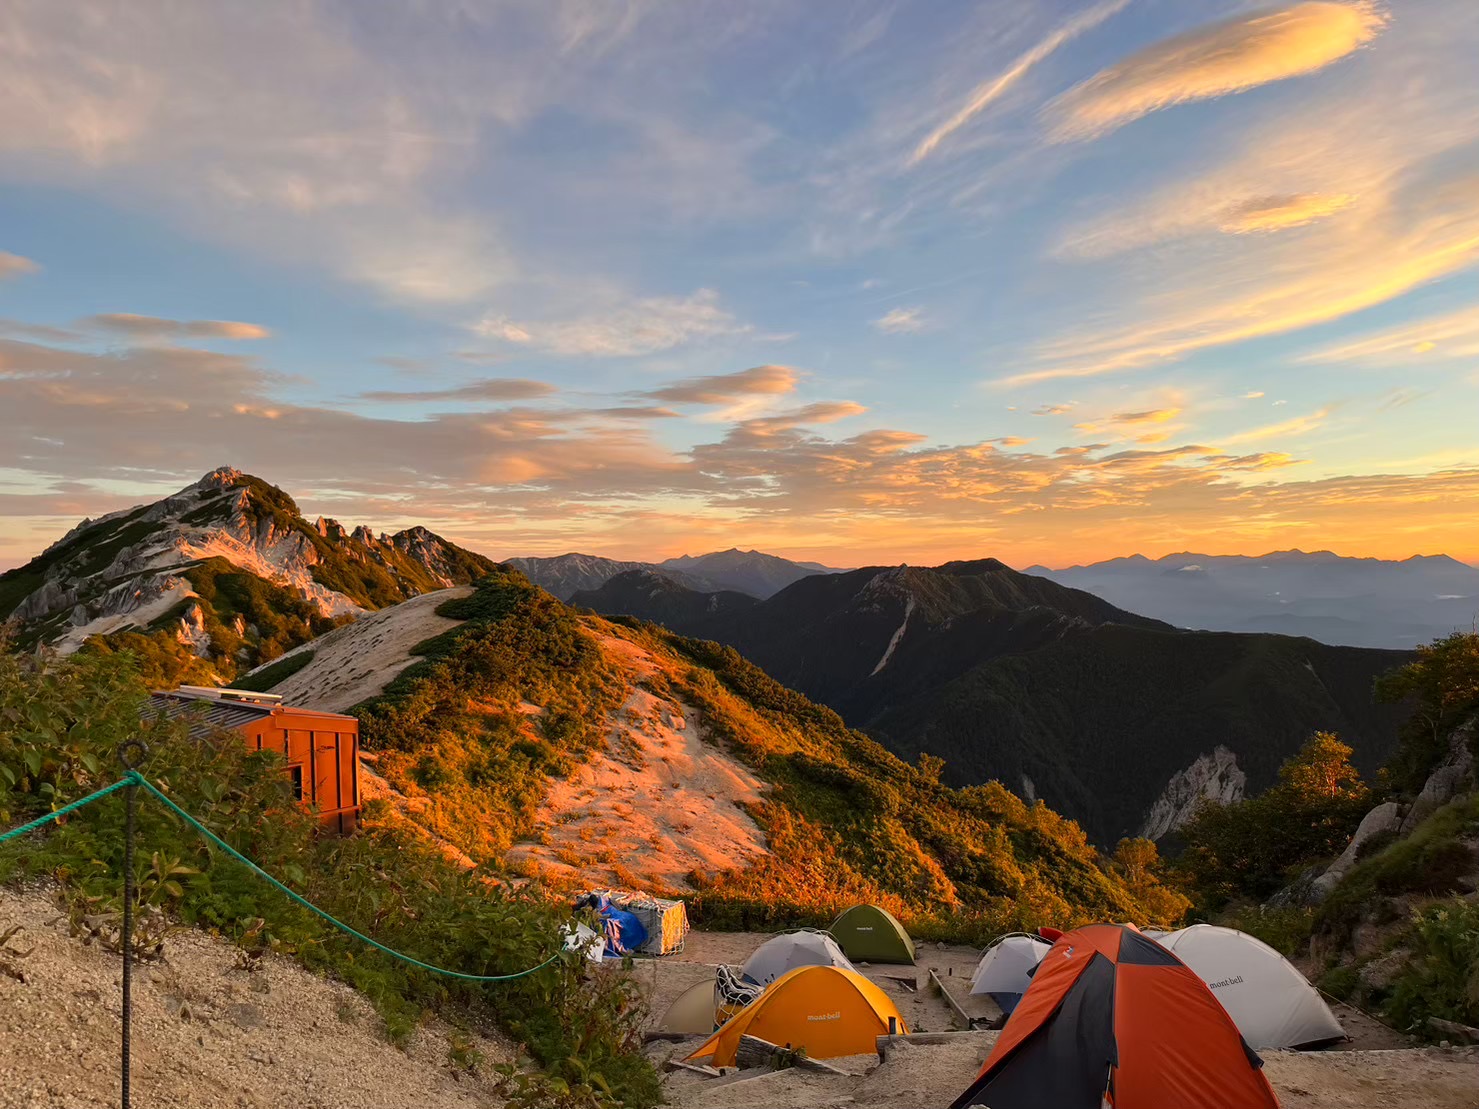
(322, 752)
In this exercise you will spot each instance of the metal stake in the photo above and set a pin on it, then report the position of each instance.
(130, 754)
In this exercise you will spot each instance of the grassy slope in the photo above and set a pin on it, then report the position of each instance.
(846, 820)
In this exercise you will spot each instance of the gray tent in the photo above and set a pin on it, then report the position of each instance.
(790, 950)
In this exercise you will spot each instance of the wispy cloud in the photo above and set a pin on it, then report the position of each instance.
(992, 89)
(1285, 429)
(1278, 213)
(1228, 57)
(13, 265)
(155, 327)
(645, 326)
(1052, 409)
(1437, 338)
(489, 389)
(900, 321)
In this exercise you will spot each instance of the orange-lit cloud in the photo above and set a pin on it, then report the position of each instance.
(153, 327)
(757, 381)
(1228, 57)
(13, 265)
(489, 389)
(1278, 213)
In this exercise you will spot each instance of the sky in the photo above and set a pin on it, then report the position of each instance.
(871, 282)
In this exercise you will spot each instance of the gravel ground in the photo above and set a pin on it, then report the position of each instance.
(206, 1034)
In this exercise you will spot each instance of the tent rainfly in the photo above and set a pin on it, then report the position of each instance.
(692, 1012)
(867, 933)
(1273, 1005)
(1114, 1018)
(1005, 970)
(789, 950)
(830, 1011)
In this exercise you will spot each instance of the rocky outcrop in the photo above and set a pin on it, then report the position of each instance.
(1213, 777)
(127, 569)
(1452, 776)
(1385, 819)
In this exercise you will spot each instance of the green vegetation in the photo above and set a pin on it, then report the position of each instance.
(1443, 682)
(1402, 907)
(847, 822)
(449, 727)
(61, 722)
(263, 680)
(1254, 847)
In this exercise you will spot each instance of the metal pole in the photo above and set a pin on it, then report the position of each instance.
(129, 754)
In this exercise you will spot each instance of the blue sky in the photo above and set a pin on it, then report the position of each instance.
(861, 282)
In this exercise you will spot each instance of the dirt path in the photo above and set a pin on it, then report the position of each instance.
(357, 661)
(932, 1076)
(659, 802)
(207, 1035)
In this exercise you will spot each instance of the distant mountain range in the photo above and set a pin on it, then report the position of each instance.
(1116, 719)
(218, 577)
(753, 573)
(1362, 602)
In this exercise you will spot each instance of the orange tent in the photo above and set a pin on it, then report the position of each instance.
(1113, 1018)
(830, 1011)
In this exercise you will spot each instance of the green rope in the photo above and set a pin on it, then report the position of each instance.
(40, 821)
(133, 777)
(311, 907)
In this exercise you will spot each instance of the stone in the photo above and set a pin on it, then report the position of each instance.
(1449, 778)
(1386, 817)
(1212, 777)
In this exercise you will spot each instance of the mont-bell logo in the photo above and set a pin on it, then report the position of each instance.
(1225, 982)
(824, 1016)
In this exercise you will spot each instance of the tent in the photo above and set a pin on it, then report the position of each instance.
(1114, 1018)
(874, 935)
(790, 950)
(1005, 970)
(1272, 1004)
(692, 1011)
(587, 941)
(830, 1011)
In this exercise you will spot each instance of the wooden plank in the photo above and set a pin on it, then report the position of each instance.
(961, 1016)
(884, 1042)
(678, 1064)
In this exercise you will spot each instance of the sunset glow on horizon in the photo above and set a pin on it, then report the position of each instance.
(1043, 282)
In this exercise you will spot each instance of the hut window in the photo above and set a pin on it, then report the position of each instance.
(295, 776)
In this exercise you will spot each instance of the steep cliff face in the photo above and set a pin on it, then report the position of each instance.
(212, 565)
(1212, 777)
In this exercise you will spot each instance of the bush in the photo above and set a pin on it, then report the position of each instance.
(1441, 978)
(61, 721)
(275, 674)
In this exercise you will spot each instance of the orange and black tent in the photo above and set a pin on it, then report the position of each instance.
(1113, 1018)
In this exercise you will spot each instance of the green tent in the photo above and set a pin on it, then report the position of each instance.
(870, 934)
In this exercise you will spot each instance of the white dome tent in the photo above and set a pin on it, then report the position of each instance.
(790, 950)
(1005, 970)
(1273, 1005)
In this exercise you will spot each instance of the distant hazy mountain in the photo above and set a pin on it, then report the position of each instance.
(1115, 719)
(656, 597)
(753, 572)
(750, 572)
(1362, 602)
(218, 577)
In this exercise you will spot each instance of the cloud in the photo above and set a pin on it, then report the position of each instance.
(1227, 57)
(900, 321)
(13, 265)
(643, 327)
(1440, 338)
(992, 89)
(1285, 429)
(489, 389)
(1132, 421)
(1255, 395)
(1052, 409)
(154, 327)
(1278, 213)
(757, 381)
(1423, 227)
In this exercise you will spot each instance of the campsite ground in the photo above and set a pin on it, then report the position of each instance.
(1378, 1068)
